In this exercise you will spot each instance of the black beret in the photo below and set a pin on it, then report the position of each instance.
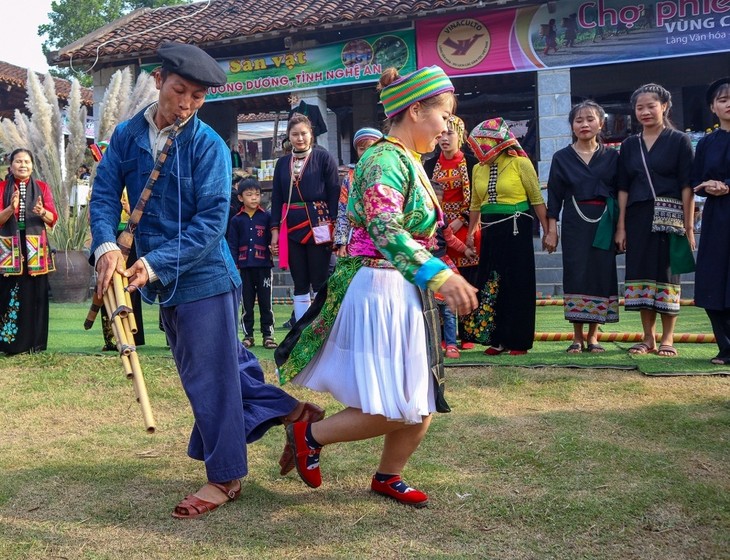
(192, 63)
(714, 86)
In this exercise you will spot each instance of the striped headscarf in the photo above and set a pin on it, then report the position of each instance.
(366, 134)
(417, 86)
(492, 137)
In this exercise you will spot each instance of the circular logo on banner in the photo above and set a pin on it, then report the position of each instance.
(463, 43)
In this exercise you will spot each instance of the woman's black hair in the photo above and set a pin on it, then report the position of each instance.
(661, 93)
(589, 105)
(20, 151)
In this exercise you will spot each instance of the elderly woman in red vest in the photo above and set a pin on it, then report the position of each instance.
(26, 208)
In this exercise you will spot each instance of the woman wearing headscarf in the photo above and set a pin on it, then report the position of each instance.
(26, 210)
(374, 343)
(453, 168)
(504, 187)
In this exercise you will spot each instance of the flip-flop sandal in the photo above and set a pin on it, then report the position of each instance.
(669, 351)
(575, 348)
(595, 349)
(191, 506)
(270, 343)
(640, 349)
(719, 362)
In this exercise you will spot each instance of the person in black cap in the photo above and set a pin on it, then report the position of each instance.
(186, 265)
(711, 178)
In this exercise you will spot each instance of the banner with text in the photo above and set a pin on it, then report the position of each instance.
(356, 61)
(576, 33)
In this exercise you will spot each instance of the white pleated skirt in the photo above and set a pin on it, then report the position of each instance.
(375, 359)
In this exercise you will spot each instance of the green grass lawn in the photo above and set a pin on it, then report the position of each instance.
(67, 336)
(551, 463)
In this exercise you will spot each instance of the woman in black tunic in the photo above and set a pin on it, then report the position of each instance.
(582, 184)
(711, 178)
(306, 182)
(654, 163)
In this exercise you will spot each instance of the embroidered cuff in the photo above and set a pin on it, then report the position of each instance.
(428, 271)
(437, 281)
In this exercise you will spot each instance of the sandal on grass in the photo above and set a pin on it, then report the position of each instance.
(191, 506)
(595, 348)
(641, 348)
(667, 351)
(719, 361)
(575, 348)
(248, 342)
(270, 343)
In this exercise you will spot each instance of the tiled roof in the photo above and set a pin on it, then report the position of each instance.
(262, 117)
(223, 22)
(16, 77)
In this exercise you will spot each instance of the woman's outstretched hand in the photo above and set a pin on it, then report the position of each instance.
(460, 296)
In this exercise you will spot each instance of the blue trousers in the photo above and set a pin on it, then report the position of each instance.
(232, 404)
(449, 321)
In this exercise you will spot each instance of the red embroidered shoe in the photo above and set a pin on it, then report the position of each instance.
(395, 489)
(492, 351)
(309, 413)
(306, 459)
(517, 352)
(467, 346)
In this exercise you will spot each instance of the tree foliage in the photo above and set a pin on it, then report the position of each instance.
(72, 19)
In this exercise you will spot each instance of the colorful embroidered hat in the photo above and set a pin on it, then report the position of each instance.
(366, 134)
(492, 137)
(417, 86)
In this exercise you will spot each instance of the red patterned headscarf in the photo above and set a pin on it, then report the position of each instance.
(492, 137)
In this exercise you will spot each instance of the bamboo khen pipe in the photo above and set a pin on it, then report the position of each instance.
(122, 328)
(128, 300)
(119, 297)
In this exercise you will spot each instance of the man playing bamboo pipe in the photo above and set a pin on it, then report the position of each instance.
(186, 264)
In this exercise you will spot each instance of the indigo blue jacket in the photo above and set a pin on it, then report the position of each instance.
(182, 231)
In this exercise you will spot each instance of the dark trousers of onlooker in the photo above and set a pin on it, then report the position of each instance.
(257, 282)
(309, 266)
(720, 321)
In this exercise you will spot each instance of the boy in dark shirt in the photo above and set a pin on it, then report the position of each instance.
(249, 238)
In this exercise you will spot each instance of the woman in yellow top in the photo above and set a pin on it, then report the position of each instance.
(504, 186)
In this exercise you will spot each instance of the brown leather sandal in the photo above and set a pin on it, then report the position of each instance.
(310, 413)
(191, 506)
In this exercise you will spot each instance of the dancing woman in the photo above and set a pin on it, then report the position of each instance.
(375, 344)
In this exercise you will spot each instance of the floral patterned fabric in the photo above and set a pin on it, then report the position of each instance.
(479, 324)
(394, 212)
